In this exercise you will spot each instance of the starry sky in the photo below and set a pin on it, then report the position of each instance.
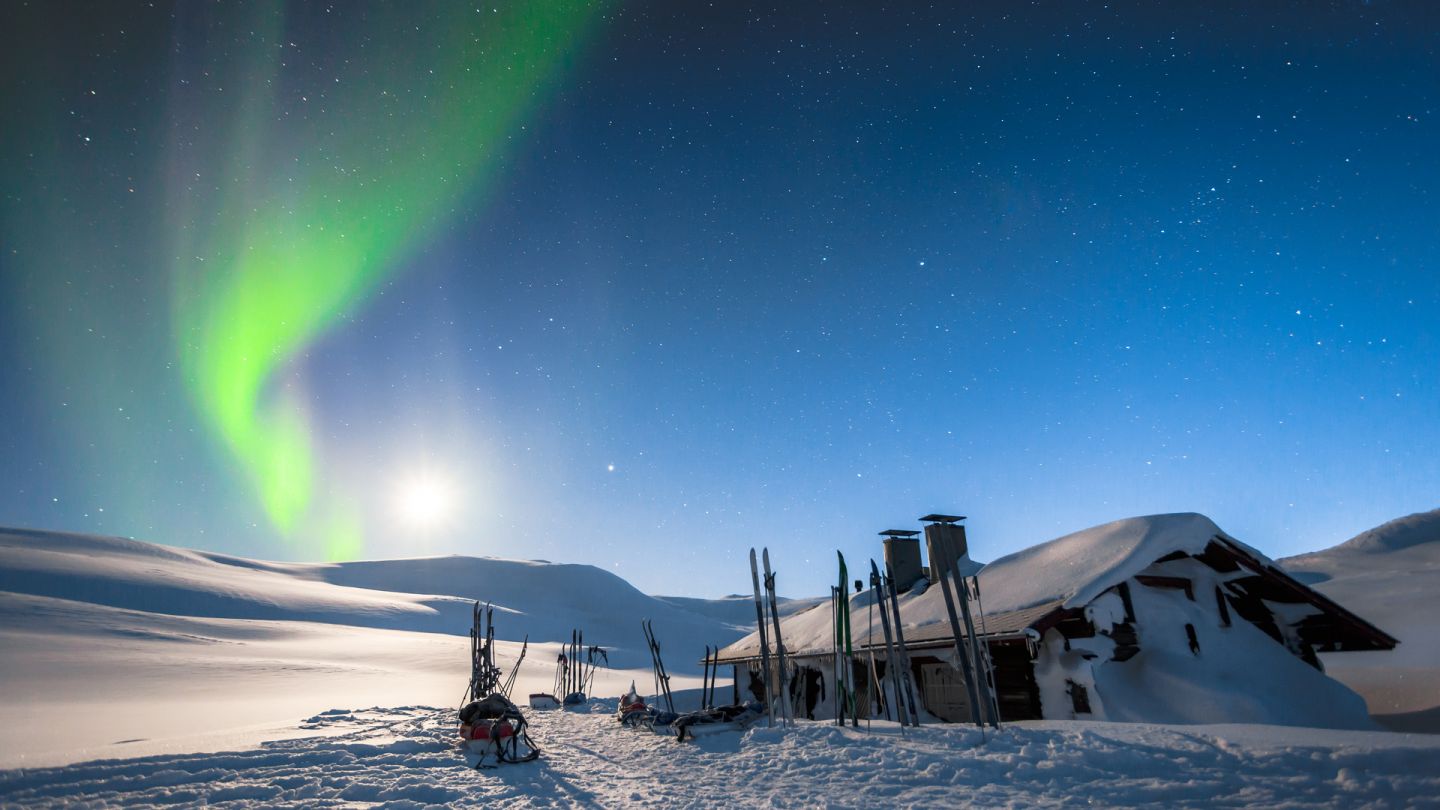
(644, 284)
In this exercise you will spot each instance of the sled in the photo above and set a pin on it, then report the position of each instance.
(493, 732)
(709, 722)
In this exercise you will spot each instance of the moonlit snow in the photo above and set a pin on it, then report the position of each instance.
(1391, 576)
(406, 758)
(141, 674)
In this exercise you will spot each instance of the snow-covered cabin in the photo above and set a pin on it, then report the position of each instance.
(1163, 618)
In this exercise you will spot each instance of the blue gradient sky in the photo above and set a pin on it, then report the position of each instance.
(785, 277)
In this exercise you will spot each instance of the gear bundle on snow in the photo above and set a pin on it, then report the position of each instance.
(573, 674)
(494, 728)
(716, 720)
(484, 675)
(631, 705)
(634, 711)
(491, 727)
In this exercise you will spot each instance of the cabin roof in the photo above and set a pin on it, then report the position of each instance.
(1038, 587)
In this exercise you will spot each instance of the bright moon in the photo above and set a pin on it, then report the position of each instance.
(425, 501)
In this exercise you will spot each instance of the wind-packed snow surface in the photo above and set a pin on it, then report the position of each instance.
(1391, 576)
(192, 678)
(152, 649)
(407, 758)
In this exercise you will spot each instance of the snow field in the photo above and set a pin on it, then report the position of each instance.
(1389, 575)
(409, 758)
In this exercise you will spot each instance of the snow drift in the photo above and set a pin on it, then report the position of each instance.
(180, 650)
(1390, 575)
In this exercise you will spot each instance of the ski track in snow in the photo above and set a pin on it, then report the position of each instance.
(409, 758)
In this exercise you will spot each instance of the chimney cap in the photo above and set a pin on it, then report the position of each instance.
(899, 534)
(943, 518)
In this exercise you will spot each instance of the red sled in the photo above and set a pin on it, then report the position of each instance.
(485, 732)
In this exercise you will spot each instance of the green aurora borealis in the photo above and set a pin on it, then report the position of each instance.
(293, 264)
(301, 200)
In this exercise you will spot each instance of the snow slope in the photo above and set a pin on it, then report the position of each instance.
(737, 609)
(157, 649)
(406, 758)
(1389, 575)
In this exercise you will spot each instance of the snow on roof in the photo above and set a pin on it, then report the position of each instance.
(1067, 572)
(1078, 567)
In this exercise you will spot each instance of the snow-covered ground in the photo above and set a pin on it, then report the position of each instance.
(1390, 576)
(406, 757)
(151, 649)
(141, 674)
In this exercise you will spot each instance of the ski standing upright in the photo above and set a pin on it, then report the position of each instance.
(892, 667)
(764, 640)
(904, 654)
(783, 690)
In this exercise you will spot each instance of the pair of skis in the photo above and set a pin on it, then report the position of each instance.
(484, 675)
(574, 676)
(776, 688)
(662, 678)
(708, 677)
(973, 652)
(897, 656)
(844, 672)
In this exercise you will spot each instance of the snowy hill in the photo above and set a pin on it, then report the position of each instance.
(1391, 576)
(544, 600)
(154, 639)
(737, 609)
(121, 573)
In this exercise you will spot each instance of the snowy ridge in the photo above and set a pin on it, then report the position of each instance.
(1400, 533)
(123, 573)
(434, 594)
(736, 609)
(1390, 575)
(151, 638)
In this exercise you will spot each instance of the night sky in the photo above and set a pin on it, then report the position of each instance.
(644, 284)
